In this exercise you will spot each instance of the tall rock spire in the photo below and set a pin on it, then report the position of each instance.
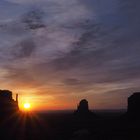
(17, 98)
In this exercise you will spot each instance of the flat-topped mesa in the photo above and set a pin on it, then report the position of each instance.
(134, 105)
(83, 109)
(7, 103)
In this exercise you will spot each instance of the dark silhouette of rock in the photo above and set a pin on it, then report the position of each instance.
(83, 109)
(7, 103)
(83, 106)
(134, 105)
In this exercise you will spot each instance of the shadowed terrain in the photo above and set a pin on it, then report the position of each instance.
(81, 124)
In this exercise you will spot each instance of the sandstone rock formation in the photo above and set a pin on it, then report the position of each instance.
(7, 103)
(134, 105)
(83, 109)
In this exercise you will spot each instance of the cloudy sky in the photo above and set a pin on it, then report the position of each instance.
(56, 52)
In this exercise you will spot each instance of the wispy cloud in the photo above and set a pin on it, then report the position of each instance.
(71, 48)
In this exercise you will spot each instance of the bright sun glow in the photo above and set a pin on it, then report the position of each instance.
(27, 106)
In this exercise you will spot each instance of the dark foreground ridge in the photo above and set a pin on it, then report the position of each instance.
(80, 125)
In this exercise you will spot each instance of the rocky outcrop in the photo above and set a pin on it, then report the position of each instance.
(7, 103)
(134, 105)
(83, 109)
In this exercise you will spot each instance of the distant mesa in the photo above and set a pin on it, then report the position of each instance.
(134, 105)
(83, 109)
(7, 103)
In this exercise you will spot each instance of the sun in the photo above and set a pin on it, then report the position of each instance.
(26, 106)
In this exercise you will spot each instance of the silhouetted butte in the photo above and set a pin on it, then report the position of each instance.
(134, 105)
(7, 103)
(83, 109)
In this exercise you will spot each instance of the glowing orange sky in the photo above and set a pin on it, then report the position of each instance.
(61, 102)
(54, 53)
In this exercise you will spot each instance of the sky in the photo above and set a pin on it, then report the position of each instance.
(54, 53)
